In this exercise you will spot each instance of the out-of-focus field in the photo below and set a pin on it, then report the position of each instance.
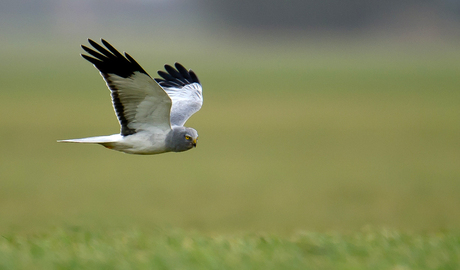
(78, 248)
(291, 139)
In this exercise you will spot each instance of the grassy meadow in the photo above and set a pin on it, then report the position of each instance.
(176, 249)
(316, 156)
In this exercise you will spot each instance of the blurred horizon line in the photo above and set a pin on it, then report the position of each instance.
(188, 20)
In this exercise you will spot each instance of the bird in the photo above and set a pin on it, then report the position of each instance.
(151, 112)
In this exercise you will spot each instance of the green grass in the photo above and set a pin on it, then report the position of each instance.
(292, 139)
(76, 248)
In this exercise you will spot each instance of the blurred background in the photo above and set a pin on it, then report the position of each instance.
(318, 115)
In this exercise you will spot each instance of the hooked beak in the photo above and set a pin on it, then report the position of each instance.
(194, 143)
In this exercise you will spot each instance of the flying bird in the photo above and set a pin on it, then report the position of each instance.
(151, 112)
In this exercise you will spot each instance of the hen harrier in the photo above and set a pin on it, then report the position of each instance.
(151, 112)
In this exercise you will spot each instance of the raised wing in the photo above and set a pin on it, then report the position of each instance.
(185, 91)
(139, 102)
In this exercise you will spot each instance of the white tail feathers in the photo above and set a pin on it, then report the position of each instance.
(98, 139)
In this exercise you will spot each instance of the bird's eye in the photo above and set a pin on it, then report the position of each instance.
(188, 138)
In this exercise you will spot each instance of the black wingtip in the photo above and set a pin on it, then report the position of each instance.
(109, 60)
(194, 77)
(92, 60)
(92, 42)
(176, 77)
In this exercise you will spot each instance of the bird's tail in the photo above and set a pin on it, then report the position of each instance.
(98, 139)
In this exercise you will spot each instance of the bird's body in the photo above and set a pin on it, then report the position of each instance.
(151, 112)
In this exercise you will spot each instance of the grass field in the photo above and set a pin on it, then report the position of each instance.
(174, 249)
(299, 150)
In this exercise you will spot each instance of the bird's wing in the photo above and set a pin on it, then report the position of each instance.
(139, 102)
(185, 91)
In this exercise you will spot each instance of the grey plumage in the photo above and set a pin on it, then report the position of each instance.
(181, 139)
(151, 112)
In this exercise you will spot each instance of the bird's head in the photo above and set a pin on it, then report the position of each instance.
(183, 139)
